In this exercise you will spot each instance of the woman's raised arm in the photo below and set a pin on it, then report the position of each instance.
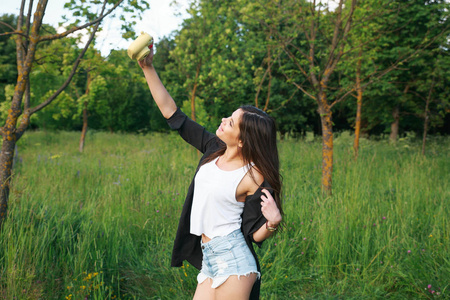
(162, 98)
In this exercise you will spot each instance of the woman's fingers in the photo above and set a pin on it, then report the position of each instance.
(147, 61)
(269, 208)
(267, 197)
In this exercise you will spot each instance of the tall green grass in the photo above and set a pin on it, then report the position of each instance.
(100, 225)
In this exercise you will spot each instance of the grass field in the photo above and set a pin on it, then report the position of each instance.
(100, 225)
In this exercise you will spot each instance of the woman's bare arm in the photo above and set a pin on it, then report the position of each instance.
(162, 98)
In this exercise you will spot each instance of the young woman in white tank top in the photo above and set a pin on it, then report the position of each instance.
(246, 160)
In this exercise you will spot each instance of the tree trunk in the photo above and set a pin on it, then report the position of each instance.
(394, 125)
(24, 62)
(85, 112)
(6, 160)
(194, 91)
(358, 107)
(327, 145)
(193, 102)
(85, 127)
(396, 114)
(425, 129)
(269, 85)
(426, 118)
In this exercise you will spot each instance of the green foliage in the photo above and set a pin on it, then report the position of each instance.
(201, 115)
(129, 104)
(86, 10)
(8, 65)
(208, 57)
(422, 30)
(54, 63)
(234, 52)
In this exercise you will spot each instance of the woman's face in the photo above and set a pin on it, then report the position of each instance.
(228, 130)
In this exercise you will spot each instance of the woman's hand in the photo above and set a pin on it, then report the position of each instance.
(269, 209)
(148, 60)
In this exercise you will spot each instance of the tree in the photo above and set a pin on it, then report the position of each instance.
(314, 38)
(430, 92)
(28, 39)
(211, 64)
(416, 29)
(321, 42)
(95, 87)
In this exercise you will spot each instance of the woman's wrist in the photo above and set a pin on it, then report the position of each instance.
(275, 221)
(272, 225)
(147, 67)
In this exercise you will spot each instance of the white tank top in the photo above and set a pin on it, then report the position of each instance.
(215, 210)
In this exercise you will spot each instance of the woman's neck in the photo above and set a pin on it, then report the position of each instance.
(231, 156)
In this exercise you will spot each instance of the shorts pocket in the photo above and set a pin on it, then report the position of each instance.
(222, 247)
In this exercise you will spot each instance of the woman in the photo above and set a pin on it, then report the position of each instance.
(228, 205)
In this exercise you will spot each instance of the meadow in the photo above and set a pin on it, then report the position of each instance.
(100, 224)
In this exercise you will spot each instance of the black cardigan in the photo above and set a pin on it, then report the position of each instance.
(186, 245)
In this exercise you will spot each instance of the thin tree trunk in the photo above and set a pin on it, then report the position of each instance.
(396, 115)
(194, 90)
(85, 114)
(358, 107)
(270, 62)
(394, 125)
(6, 160)
(85, 127)
(425, 129)
(327, 145)
(426, 119)
(269, 85)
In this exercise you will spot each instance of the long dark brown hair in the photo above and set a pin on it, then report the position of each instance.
(259, 146)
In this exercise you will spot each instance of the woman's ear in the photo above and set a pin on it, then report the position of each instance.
(240, 144)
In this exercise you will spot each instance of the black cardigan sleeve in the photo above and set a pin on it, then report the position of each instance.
(190, 131)
(252, 217)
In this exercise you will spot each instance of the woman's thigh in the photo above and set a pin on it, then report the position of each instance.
(204, 291)
(236, 288)
(232, 288)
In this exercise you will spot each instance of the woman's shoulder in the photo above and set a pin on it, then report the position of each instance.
(252, 180)
(257, 175)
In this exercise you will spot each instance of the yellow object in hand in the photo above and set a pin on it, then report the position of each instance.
(140, 47)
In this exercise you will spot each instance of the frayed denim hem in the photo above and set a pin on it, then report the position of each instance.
(219, 280)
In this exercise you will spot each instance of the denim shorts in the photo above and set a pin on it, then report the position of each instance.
(224, 256)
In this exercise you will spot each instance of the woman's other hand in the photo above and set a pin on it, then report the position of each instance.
(269, 209)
